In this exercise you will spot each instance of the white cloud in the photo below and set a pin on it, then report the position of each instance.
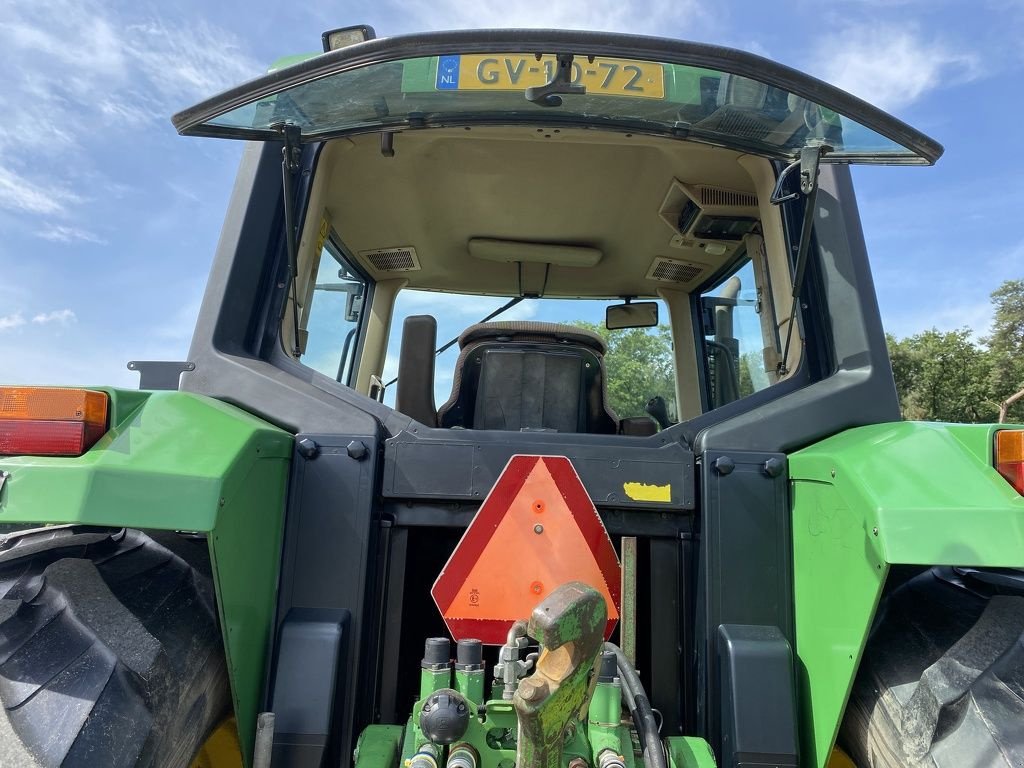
(126, 114)
(890, 66)
(7, 322)
(60, 233)
(23, 194)
(86, 71)
(57, 316)
(601, 15)
(186, 62)
(129, 64)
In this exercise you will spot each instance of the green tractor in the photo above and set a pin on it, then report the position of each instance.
(329, 538)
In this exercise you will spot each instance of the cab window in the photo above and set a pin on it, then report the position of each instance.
(639, 363)
(740, 337)
(333, 316)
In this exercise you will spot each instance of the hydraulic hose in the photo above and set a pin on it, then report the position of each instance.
(639, 706)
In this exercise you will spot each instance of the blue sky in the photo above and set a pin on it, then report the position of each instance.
(110, 220)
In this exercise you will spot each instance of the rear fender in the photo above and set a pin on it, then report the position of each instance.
(185, 462)
(904, 493)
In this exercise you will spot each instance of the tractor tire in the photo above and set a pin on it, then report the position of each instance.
(941, 683)
(110, 653)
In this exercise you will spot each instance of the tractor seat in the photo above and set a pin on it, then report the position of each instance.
(529, 376)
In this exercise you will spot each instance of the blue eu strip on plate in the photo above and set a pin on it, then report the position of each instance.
(447, 73)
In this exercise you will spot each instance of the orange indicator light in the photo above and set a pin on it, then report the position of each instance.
(1009, 457)
(50, 421)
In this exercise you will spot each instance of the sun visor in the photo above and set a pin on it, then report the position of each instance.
(511, 251)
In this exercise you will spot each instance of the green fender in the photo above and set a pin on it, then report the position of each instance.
(179, 461)
(888, 494)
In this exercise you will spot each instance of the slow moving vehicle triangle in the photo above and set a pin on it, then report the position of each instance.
(537, 529)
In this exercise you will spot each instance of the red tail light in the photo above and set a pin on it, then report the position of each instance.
(50, 421)
(1009, 457)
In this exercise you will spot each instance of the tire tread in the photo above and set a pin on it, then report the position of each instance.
(110, 653)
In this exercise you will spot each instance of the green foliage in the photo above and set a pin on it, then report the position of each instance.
(946, 376)
(1006, 345)
(639, 363)
(942, 376)
(749, 361)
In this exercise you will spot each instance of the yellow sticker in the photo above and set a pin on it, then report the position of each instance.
(324, 231)
(645, 492)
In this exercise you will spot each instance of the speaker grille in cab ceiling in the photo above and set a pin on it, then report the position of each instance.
(399, 259)
(674, 270)
(714, 196)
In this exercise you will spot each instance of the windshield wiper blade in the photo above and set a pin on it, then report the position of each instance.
(503, 308)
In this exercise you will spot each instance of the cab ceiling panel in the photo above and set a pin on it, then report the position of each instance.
(446, 187)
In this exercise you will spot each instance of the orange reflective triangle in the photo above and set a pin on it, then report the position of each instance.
(537, 529)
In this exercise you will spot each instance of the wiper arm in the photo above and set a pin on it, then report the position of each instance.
(289, 166)
(561, 82)
(503, 308)
(810, 157)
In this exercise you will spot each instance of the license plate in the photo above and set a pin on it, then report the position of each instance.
(517, 72)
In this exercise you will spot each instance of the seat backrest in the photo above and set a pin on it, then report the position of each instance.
(527, 375)
(414, 390)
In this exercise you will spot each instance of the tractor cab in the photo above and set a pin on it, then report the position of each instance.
(628, 254)
(561, 174)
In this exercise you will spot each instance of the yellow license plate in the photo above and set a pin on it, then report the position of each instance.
(517, 72)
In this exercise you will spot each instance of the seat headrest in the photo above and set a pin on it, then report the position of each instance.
(526, 330)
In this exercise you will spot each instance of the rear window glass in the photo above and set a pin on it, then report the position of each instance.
(680, 100)
(638, 365)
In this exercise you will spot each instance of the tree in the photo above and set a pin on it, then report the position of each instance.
(639, 365)
(1006, 346)
(749, 362)
(942, 376)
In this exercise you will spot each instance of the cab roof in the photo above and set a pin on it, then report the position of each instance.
(626, 83)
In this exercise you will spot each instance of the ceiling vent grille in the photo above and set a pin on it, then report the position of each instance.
(675, 271)
(715, 196)
(400, 259)
(738, 121)
(685, 205)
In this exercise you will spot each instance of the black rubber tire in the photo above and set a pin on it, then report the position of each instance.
(110, 653)
(942, 681)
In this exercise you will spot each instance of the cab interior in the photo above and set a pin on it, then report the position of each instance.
(548, 213)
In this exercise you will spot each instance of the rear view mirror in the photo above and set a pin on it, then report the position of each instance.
(643, 314)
